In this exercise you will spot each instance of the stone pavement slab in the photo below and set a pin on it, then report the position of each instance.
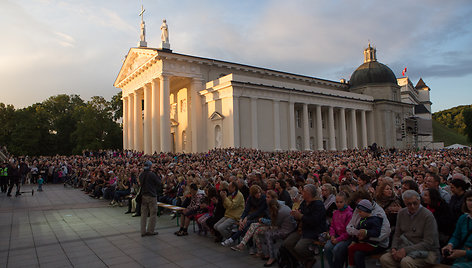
(63, 227)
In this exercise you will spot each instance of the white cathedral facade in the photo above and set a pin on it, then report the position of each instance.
(180, 103)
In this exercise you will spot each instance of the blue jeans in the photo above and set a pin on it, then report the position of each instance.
(336, 255)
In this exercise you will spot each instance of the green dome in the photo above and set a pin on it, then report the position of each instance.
(372, 72)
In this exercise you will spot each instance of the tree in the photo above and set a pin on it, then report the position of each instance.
(96, 128)
(467, 113)
(117, 106)
(7, 122)
(61, 109)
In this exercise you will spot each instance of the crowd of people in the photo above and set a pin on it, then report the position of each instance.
(412, 206)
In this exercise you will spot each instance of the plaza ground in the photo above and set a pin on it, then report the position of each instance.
(63, 227)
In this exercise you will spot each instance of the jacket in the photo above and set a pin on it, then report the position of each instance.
(339, 223)
(234, 206)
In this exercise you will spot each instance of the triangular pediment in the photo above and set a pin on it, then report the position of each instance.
(136, 58)
(216, 116)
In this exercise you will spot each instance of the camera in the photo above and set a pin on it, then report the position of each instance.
(447, 253)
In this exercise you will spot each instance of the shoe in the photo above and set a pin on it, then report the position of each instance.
(228, 242)
(127, 212)
(252, 251)
(136, 215)
(152, 233)
(269, 264)
(239, 247)
(143, 235)
(182, 233)
(9, 195)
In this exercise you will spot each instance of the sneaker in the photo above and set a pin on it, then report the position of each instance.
(252, 251)
(228, 242)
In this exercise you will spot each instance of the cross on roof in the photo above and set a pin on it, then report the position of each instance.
(142, 12)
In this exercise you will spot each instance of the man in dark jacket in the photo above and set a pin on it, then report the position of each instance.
(312, 222)
(13, 178)
(150, 185)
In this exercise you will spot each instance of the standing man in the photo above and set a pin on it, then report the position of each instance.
(4, 177)
(13, 177)
(149, 188)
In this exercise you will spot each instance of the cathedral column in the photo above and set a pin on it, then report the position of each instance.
(196, 115)
(164, 112)
(354, 129)
(363, 129)
(138, 122)
(276, 106)
(342, 123)
(292, 125)
(306, 128)
(125, 123)
(371, 129)
(131, 121)
(254, 122)
(155, 127)
(236, 137)
(319, 128)
(147, 119)
(332, 135)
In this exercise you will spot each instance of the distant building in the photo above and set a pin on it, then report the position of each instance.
(180, 103)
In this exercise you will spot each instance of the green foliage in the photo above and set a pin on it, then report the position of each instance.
(442, 133)
(467, 113)
(62, 124)
(453, 118)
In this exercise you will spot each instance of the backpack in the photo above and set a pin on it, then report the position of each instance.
(285, 258)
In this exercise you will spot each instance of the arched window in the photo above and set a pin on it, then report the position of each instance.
(218, 137)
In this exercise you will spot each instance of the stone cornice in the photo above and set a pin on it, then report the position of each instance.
(157, 55)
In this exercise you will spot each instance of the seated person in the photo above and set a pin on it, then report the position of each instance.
(311, 217)
(190, 211)
(339, 238)
(459, 247)
(233, 203)
(370, 226)
(254, 209)
(415, 241)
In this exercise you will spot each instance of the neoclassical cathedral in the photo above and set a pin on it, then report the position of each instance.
(181, 103)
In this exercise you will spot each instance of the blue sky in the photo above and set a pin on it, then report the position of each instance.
(53, 47)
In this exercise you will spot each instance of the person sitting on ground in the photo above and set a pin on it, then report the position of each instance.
(371, 227)
(234, 207)
(459, 247)
(415, 241)
(254, 209)
(339, 238)
(311, 217)
(190, 211)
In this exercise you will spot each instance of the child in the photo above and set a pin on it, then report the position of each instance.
(40, 184)
(339, 238)
(369, 227)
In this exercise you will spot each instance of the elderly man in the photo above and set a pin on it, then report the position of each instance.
(415, 242)
(312, 218)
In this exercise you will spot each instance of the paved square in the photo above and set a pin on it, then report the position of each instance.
(63, 227)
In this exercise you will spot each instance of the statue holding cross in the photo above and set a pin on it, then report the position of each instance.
(142, 42)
